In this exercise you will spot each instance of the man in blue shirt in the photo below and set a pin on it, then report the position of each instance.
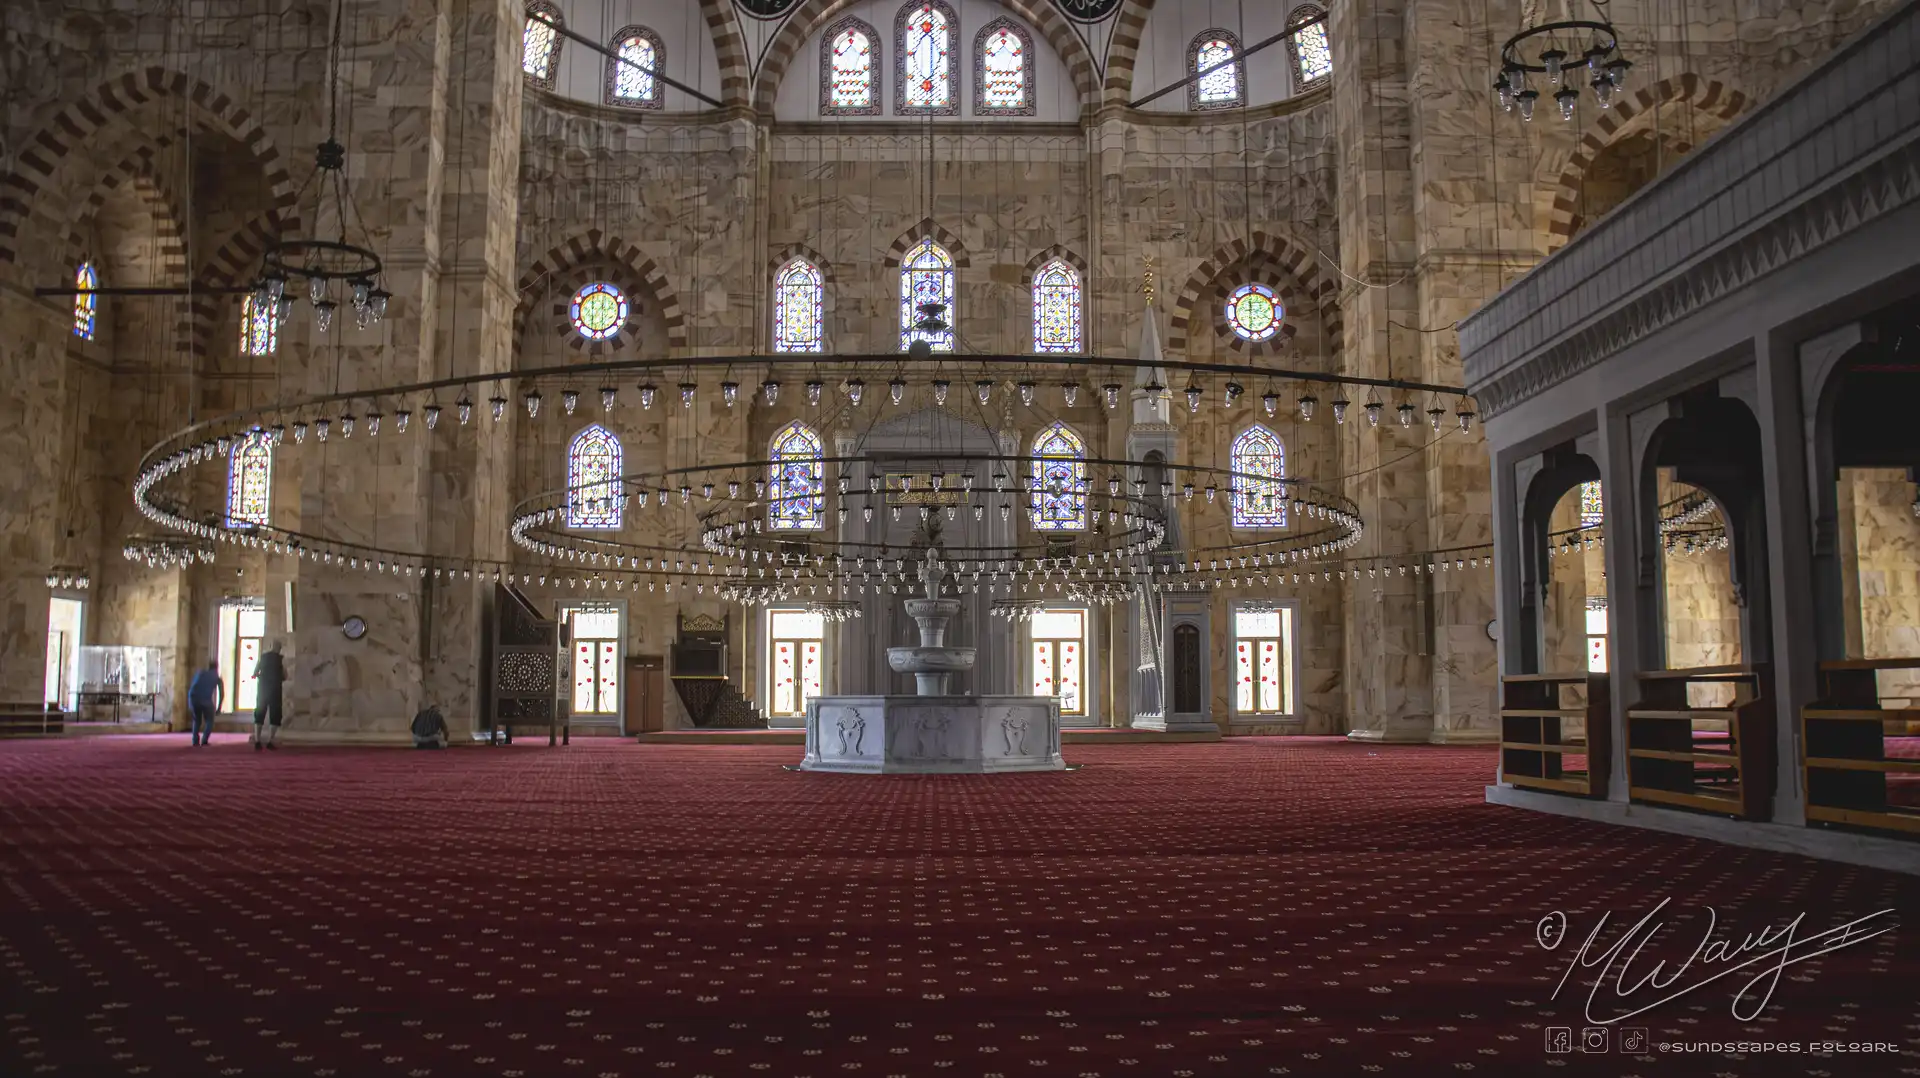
(204, 695)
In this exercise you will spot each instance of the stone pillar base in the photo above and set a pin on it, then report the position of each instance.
(1464, 735)
(1411, 730)
(1176, 724)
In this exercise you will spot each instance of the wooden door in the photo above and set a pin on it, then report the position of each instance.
(646, 684)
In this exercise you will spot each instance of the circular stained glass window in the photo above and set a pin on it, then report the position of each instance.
(598, 311)
(1254, 312)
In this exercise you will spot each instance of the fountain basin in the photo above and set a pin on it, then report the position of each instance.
(933, 735)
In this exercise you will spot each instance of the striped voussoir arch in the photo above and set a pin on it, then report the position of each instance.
(81, 122)
(1123, 51)
(1711, 97)
(730, 49)
(801, 251)
(811, 16)
(927, 228)
(593, 247)
(1056, 251)
(1270, 260)
(234, 263)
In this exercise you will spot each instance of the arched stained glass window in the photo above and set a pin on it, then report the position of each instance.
(598, 311)
(798, 296)
(86, 305)
(1058, 498)
(1593, 511)
(1223, 86)
(1312, 56)
(1056, 308)
(796, 482)
(540, 44)
(250, 480)
(593, 480)
(1003, 70)
(926, 276)
(1254, 312)
(1259, 463)
(259, 330)
(923, 42)
(628, 85)
(850, 69)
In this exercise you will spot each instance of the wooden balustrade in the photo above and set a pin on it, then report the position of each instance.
(1844, 742)
(1710, 759)
(1537, 751)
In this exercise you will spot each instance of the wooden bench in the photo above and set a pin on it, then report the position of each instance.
(1729, 771)
(1843, 748)
(31, 719)
(1534, 746)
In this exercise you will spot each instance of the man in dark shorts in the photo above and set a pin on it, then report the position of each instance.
(270, 674)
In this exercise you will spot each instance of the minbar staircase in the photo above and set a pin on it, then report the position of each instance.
(714, 704)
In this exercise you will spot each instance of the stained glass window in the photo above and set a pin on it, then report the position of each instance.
(924, 37)
(850, 70)
(1059, 657)
(1058, 498)
(1056, 308)
(627, 84)
(1312, 57)
(1003, 69)
(250, 480)
(926, 276)
(593, 480)
(1254, 312)
(1259, 463)
(540, 44)
(797, 297)
(85, 304)
(596, 659)
(1263, 662)
(598, 311)
(259, 335)
(1592, 509)
(796, 646)
(796, 482)
(1218, 88)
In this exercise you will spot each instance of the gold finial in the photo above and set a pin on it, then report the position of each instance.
(1147, 283)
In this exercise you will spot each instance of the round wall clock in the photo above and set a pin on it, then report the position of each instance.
(354, 627)
(1493, 629)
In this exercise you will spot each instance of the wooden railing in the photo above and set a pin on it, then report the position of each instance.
(1844, 756)
(1711, 759)
(1536, 747)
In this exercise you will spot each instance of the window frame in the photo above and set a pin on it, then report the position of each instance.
(1027, 76)
(1086, 714)
(577, 516)
(656, 98)
(1301, 83)
(1035, 472)
(1079, 342)
(776, 464)
(1290, 694)
(900, 106)
(238, 455)
(767, 643)
(618, 607)
(1234, 489)
(86, 305)
(1239, 69)
(553, 14)
(249, 315)
(230, 646)
(874, 59)
(950, 291)
(819, 286)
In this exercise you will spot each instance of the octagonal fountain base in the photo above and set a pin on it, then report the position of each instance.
(933, 735)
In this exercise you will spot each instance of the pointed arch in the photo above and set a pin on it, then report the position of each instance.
(850, 55)
(729, 50)
(926, 277)
(627, 86)
(1057, 498)
(1123, 50)
(1003, 69)
(799, 307)
(1224, 87)
(540, 44)
(926, 76)
(1059, 307)
(1273, 260)
(796, 479)
(250, 480)
(1259, 463)
(1309, 50)
(594, 500)
(625, 264)
(809, 16)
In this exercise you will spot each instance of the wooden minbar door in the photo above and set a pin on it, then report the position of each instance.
(646, 686)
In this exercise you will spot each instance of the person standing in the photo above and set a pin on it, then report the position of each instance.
(205, 695)
(269, 674)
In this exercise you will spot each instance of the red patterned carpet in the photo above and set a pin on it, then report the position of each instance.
(1253, 907)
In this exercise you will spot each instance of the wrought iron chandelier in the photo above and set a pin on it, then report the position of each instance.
(1598, 45)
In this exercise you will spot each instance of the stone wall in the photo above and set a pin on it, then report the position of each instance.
(1880, 564)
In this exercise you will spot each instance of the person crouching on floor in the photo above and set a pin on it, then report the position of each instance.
(429, 729)
(270, 675)
(205, 694)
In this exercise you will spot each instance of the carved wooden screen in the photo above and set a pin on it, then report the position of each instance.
(525, 660)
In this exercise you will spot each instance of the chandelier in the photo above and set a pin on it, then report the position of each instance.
(167, 551)
(329, 267)
(835, 609)
(1598, 48)
(69, 577)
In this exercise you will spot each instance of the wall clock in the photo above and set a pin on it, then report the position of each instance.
(354, 627)
(1493, 629)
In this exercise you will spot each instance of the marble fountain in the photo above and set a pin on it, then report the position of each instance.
(932, 733)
